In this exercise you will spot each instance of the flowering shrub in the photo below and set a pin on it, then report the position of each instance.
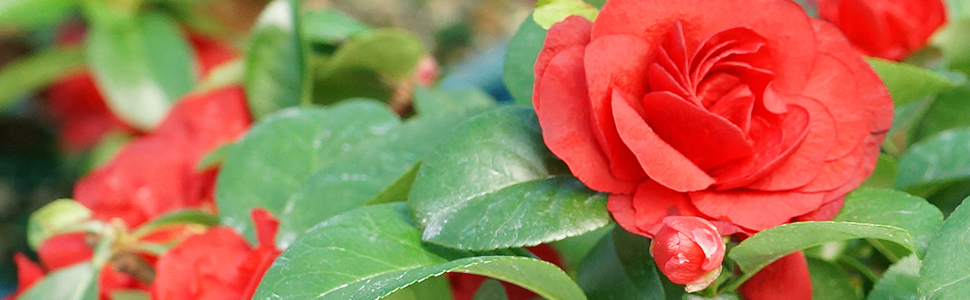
(652, 149)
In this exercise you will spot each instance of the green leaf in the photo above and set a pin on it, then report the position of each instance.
(331, 86)
(771, 244)
(232, 73)
(178, 218)
(491, 290)
(130, 295)
(142, 66)
(435, 288)
(441, 103)
(55, 218)
(78, 282)
(549, 12)
(939, 159)
(330, 26)
(520, 59)
(949, 110)
(493, 184)
(29, 14)
(898, 282)
(389, 51)
(36, 71)
(829, 281)
(275, 63)
(572, 250)
(893, 208)
(214, 157)
(906, 121)
(884, 176)
(620, 267)
(272, 161)
(372, 251)
(945, 273)
(907, 82)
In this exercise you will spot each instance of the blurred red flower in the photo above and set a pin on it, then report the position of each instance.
(890, 29)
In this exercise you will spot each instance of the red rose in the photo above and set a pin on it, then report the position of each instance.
(464, 286)
(219, 264)
(689, 251)
(156, 174)
(890, 29)
(746, 113)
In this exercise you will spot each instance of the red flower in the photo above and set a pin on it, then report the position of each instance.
(689, 251)
(746, 113)
(786, 278)
(79, 108)
(28, 273)
(219, 264)
(156, 174)
(464, 286)
(890, 29)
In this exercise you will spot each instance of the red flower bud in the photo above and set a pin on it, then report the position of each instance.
(689, 251)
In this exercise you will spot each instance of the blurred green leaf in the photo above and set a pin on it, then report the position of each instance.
(949, 110)
(620, 267)
(953, 40)
(898, 282)
(520, 59)
(829, 282)
(227, 74)
(766, 246)
(549, 12)
(330, 26)
(894, 208)
(78, 282)
(491, 290)
(938, 159)
(55, 218)
(945, 273)
(30, 14)
(493, 184)
(372, 251)
(274, 159)
(130, 295)
(214, 158)
(331, 86)
(884, 176)
(36, 71)
(388, 51)
(906, 121)
(441, 102)
(907, 83)
(275, 67)
(142, 66)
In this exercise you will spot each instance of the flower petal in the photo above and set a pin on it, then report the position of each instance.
(785, 279)
(572, 32)
(755, 210)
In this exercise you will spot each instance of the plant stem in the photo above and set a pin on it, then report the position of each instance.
(859, 266)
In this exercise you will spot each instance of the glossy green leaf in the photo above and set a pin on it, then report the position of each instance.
(549, 12)
(884, 176)
(829, 282)
(29, 14)
(945, 273)
(620, 267)
(274, 159)
(520, 59)
(493, 184)
(389, 51)
(275, 62)
(938, 159)
(178, 218)
(949, 110)
(36, 71)
(78, 282)
(330, 26)
(907, 82)
(894, 208)
(372, 251)
(55, 218)
(142, 66)
(771, 244)
(491, 290)
(898, 282)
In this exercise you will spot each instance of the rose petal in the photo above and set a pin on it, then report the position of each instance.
(571, 32)
(565, 121)
(266, 227)
(755, 210)
(785, 279)
(775, 141)
(654, 202)
(657, 158)
(805, 164)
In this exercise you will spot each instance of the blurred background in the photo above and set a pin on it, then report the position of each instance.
(45, 146)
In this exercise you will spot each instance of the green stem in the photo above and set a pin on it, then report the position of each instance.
(738, 282)
(859, 266)
(882, 249)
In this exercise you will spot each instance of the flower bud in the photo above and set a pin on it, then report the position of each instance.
(689, 251)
